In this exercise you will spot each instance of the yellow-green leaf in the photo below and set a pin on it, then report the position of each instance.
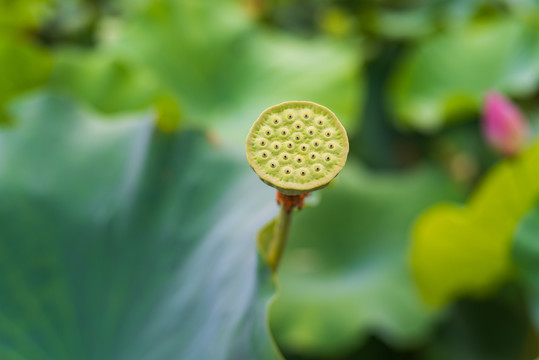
(460, 250)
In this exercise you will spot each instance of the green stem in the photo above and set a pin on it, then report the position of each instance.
(279, 239)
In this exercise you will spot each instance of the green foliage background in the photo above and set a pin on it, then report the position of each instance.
(129, 214)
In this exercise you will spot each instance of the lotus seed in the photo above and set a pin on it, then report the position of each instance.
(288, 130)
(275, 146)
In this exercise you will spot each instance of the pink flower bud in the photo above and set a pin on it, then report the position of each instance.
(504, 126)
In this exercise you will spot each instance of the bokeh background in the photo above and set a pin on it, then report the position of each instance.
(129, 214)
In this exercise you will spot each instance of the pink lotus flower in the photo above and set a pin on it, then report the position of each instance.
(504, 126)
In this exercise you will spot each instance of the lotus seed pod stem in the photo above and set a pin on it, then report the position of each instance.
(297, 147)
(280, 237)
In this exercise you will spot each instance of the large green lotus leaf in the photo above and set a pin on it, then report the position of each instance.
(526, 258)
(118, 242)
(106, 80)
(447, 75)
(223, 69)
(466, 249)
(344, 274)
(24, 67)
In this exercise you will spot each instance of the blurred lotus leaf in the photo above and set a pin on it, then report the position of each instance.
(109, 82)
(220, 66)
(461, 250)
(526, 257)
(16, 15)
(446, 76)
(24, 67)
(118, 242)
(344, 274)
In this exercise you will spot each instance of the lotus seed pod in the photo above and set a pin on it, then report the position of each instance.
(297, 147)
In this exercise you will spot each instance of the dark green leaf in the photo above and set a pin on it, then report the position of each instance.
(344, 274)
(526, 257)
(117, 242)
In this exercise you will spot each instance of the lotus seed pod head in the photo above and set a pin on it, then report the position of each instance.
(297, 147)
(504, 126)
